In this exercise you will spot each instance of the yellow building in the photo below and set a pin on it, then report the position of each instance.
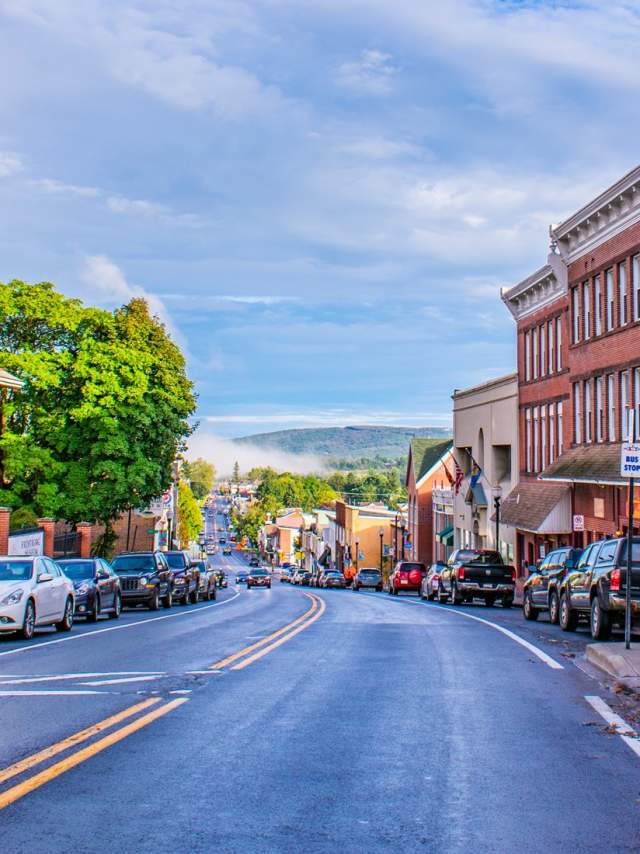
(364, 537)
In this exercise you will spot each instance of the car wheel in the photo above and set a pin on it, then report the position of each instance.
(530, 613)
(185, 599)
(394, 590)
(379, 589)
(154, 603)
(194, 596)
(507, 601)
(29, 622)
(213, 593)
(66, 623)
(421, 593)
(489, 601)
(167, 601)
(554, 608)
(568, 617)
(441, 596)
(117, 608)
(93, 615)
(600, 622)
(456, 599)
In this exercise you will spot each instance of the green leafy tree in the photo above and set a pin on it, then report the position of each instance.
(189, 514)
(104, 410)
(201, 475)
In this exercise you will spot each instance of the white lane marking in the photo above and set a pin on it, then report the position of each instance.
(19, 680)
(125, 679)
(47, 693)
(92, 634)
(200, 672)
(626, 732)
(550, 662)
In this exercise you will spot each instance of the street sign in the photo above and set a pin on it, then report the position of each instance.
(630, 459)
(578, 523)
(27, 543)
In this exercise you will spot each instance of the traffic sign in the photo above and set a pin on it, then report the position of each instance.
(578, 523)
(630, 459)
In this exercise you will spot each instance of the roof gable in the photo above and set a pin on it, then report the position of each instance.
(424, 454)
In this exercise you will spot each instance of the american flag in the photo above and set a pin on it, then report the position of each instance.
(459, 478)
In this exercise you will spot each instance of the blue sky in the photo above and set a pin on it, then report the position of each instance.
(321, 198)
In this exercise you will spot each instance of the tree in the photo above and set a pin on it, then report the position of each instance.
(189, 514)
(103, 413)
(201, 475)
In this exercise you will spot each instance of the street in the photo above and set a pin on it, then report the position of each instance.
(330, 721)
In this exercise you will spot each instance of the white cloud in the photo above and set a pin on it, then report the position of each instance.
(10, 164)
(51, 185)
(371, 74)
(120, 204)
(380, 148)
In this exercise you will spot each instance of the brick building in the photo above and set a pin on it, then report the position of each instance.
(578, 327)
(425, 472)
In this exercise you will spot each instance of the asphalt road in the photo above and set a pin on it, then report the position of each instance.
(369, 724)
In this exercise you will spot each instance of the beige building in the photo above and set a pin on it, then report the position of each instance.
(485, 438)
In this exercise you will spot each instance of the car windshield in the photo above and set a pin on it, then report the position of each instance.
(134, 563)
(407, 567)
(77, 570)
(259, 572)
(369, 572)
(468, 556)
(15, 570)
(176, 561)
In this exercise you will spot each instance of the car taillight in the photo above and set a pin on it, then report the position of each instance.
(461, 573)
(615, 580)
(513, 573)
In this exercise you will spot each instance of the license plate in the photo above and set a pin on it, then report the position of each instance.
(402, 581)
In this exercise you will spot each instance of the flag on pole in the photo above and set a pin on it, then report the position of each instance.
(476, 471)
(459, 477)
(449, 476)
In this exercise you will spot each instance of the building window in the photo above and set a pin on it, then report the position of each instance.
(576, 315)
(543, 351)
(588, 413)
(624, 402)
(560, 434)
(597, 305)
(636, 401)
(608, 278)
(527, 356)
(543, 437)
(527, 437)
(586, 309)
(552, 432)
(534, 335)
(599, 410)
(611, 407)
(559, 343)
(635, 273)
(622, 293)
(577, 415)
(536, 439)
(552, 363)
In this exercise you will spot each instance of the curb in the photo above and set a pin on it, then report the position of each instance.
(608, 658)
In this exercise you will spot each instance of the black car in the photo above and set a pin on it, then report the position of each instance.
(145, 579)
(542, 587)
(96, 585)
(186, 578)
(477, 572)
(254, 561)
(241, 576)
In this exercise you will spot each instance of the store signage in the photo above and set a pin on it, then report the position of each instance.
(27, 543)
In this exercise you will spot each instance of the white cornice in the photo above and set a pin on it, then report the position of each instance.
(538, 290)
(603, 218)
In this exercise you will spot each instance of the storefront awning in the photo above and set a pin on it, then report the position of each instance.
(446, 535)
(598, 463)
(543, 508)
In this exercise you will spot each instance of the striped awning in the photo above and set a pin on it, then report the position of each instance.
(445, 535)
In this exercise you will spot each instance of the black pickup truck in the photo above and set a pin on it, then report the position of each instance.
(477, 572)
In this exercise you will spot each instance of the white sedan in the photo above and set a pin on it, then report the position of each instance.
(34, 592)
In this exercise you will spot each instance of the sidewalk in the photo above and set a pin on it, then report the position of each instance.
(614, 659)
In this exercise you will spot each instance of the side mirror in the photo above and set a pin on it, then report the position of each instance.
(44, 577)
(532, 568)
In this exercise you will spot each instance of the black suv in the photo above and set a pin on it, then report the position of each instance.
(186, 577)
(145, 579)
(542, 587)
(596, 588)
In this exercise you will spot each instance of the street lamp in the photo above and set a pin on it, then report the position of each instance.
(497, 497)
(403, 529)
(381, 532)
(357, 553)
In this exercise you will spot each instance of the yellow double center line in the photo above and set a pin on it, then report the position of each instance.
(275, 639)
(18, 791)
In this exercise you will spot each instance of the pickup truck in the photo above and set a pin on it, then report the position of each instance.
(477, 572)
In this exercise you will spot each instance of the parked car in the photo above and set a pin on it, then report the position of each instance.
(258, 577)
(241, 576)
(34, 592)
(367, 577)
(206, 580)
(430, 587)
(285, 574)
(226, 550)
(406, 576)
(301, 577)
(145, 579)
(477, 572)
(596, 588)
(96, 586)
(254, 561)
(222, 540)
(542, 587)
(332, 578)
(186, 582)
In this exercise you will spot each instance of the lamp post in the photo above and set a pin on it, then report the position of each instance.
(381, 532)
(497, 497)
(357, 553)
(403, 529)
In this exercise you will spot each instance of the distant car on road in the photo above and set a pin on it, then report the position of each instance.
(332, 578)
(542, 587)
(145, 579)
(226, 550)
(258, 577)
(241, 576)
(34, 592)
(406, 577)
(254, 561)
(285, 574)
(301, 577)
(367, 577)
(430, 587)
(478, 572)
(96, 585)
